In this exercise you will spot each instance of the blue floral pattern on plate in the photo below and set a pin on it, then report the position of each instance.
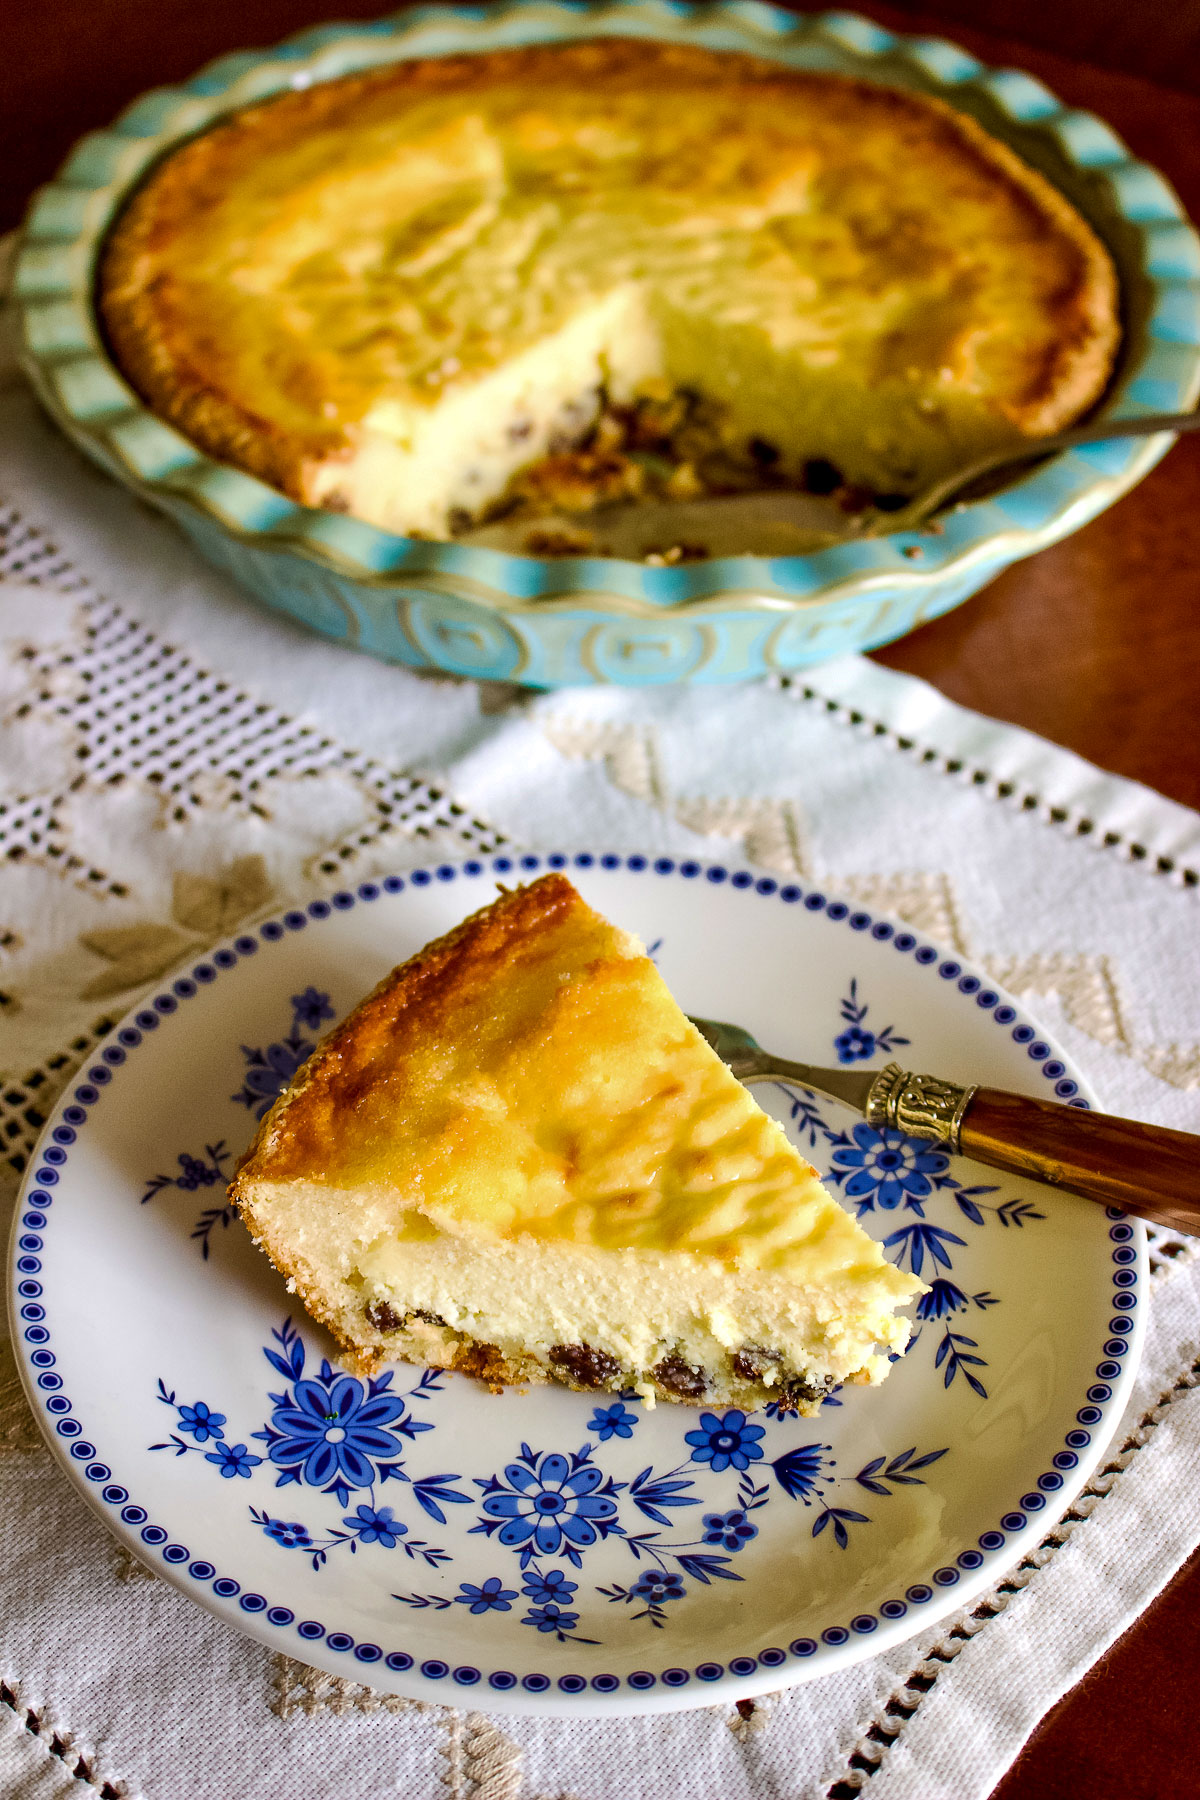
(856, 1043)
(882, 1168)
(268, 1071)
(198, 1172)
(342, 1437)
(334, 1433)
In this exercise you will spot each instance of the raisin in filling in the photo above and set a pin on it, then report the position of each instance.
(583, 1366)
(751, 1363)
(384, 1317)
(679, 1377)
(803, 1393)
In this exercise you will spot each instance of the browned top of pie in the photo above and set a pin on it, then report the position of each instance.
(336, 262)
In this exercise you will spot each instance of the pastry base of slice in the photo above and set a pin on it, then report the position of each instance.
(519, 1159)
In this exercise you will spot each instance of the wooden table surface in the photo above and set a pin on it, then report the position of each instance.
(1094, 644)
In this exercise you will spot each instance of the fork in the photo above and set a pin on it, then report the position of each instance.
(1143, 1169)
(917, 511)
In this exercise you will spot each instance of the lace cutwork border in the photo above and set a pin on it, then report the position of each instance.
(885, 1730)
(27, 553)
(26, 1102)
(140, 709)
(1025, 798)
(81, 1764)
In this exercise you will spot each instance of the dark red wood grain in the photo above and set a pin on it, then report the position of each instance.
(1126, 1732)
(1146, 1169)
(1094, 643)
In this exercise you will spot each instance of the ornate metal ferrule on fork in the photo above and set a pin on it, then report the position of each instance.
(921, 1106)
(1144, 1169)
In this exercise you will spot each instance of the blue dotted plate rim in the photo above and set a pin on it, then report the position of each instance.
(65, 356)
(947, 1588)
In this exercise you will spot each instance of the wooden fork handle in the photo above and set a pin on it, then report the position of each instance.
(1144, 1169)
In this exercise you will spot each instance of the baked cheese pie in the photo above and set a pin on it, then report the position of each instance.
(519, 1159)
(569, 275)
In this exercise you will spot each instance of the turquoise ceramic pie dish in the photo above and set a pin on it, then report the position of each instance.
(552, 622)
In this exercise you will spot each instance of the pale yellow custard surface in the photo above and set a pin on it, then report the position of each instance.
(388, 293)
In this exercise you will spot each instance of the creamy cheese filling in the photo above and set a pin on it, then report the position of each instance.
(433, 463)
(419, 467)
(636, 1306)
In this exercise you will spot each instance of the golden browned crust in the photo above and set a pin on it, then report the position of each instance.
(160, 349)
(304, 1127)
(304, 1130)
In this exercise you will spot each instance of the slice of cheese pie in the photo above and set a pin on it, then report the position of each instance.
(519, 1159)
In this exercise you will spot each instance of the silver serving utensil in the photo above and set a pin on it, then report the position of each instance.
(1144, 1169)
(783, 521)
(943, 494)
(776, 522)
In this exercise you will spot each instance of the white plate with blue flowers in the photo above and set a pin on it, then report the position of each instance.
(548, 1551)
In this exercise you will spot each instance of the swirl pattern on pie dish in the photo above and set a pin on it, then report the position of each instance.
(397, 294)
(519, 1159)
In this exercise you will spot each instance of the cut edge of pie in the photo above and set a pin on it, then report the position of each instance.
(517, 1158)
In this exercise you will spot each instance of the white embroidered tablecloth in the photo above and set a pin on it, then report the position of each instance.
(173, 761)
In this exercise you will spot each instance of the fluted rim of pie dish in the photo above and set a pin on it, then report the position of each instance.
(1156, 250)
